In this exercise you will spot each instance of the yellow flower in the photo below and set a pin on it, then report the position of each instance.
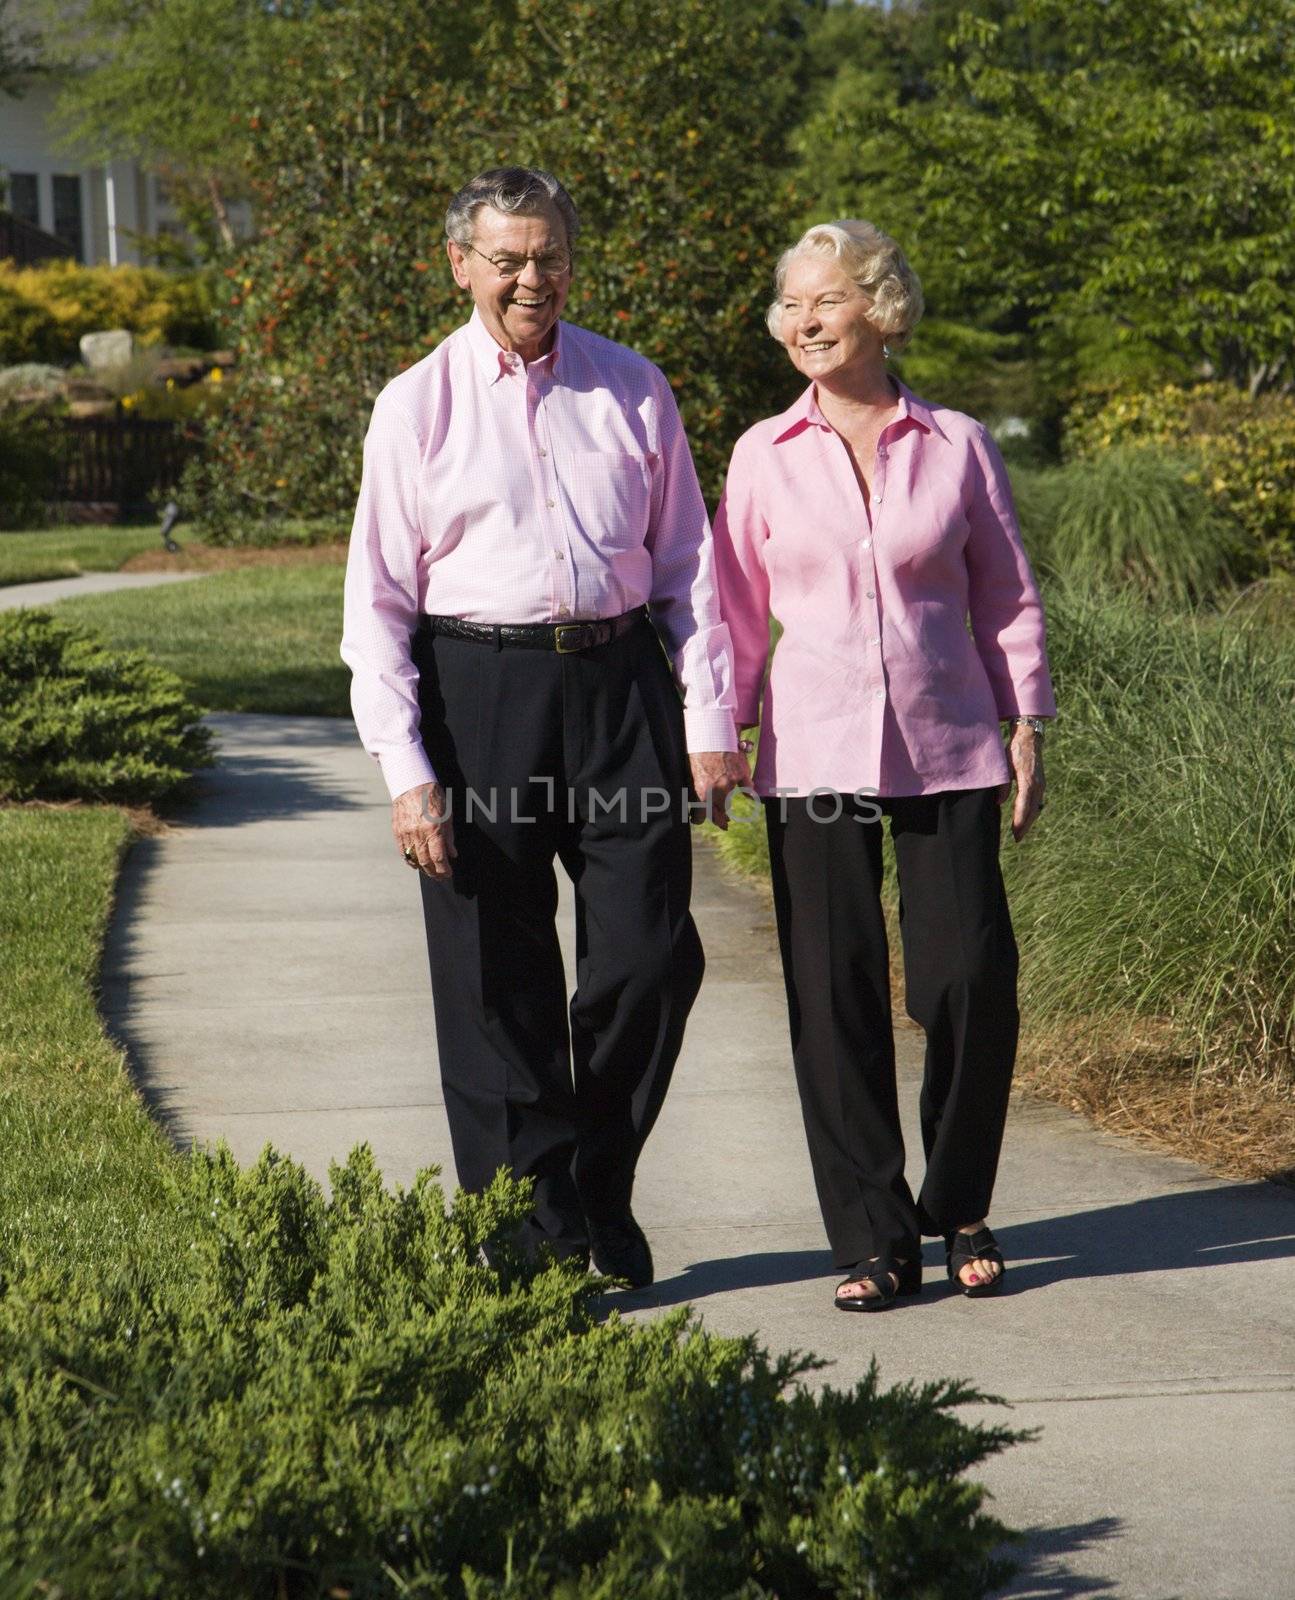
(215, 376)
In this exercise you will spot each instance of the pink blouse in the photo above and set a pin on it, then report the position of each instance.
(877, 683)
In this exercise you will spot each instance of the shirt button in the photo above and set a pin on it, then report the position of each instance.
(543, 451)
(867, 544)
(872, 594)
(557, 555)
(550, 504)
(879, 694)
(874, 638)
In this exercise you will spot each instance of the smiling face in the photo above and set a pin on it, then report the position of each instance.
(520, 312)
(823, 320)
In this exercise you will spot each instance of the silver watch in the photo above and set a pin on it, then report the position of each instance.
(1037, 723)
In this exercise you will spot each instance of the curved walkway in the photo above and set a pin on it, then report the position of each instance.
(267, 973)
(48, 590)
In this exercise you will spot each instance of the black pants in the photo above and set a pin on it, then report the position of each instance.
(960, 965)
(589, 747)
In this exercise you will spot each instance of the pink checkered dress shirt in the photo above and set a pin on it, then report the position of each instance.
(500, 492)
(876, 683)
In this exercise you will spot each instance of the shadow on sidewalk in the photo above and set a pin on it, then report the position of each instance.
(1218, 1225)
(1041, 1556)
(1215, 1226)
(702, 1278)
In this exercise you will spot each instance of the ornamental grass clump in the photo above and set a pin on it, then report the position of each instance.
(1131, 517)
(80, 720)
(313, 1396)
(1160, 885)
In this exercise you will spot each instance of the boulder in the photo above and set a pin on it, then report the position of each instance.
(111, 348)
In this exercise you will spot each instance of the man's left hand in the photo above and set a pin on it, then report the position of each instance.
(715, 775)
(1025, 752)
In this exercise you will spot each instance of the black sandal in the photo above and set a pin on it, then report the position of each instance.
(890, 1278)
(961, 1248)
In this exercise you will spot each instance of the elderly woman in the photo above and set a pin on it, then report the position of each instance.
(876, 525)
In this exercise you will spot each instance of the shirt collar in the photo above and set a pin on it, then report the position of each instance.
(494, 360)
(804, 413)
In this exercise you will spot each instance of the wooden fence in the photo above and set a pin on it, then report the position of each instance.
(126, 462)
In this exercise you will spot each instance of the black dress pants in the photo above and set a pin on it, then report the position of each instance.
(578, 758)
(960, 966)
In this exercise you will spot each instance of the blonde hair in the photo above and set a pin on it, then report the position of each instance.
(876, 264)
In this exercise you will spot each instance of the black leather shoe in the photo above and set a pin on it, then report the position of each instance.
(620, 1250)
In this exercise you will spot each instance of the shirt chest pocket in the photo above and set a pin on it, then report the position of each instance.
(610, 494)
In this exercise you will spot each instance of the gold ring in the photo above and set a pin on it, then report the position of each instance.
(410, 854)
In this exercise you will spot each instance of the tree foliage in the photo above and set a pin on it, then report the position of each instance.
(1114, 179)
(668, 122)
(168, 83)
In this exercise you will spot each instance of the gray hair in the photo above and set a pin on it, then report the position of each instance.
(878, 267)
(516, 191)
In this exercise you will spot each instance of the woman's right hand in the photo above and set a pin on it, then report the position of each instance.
(423, 827)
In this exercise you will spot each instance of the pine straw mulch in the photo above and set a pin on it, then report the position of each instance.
(1131, 1080)
(217, 558)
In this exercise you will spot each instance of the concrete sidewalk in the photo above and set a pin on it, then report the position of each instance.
(267, 972)
(48, 590)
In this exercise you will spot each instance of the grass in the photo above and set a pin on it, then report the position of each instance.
(66, 552)
(31, 556)
(83, 1173)
(263, 639)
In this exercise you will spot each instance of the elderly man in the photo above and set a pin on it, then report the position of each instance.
(529, 532)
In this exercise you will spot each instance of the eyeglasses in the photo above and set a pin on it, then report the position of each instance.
(551, 264)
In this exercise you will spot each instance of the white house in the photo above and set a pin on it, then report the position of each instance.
(92, 207)
(88, 207)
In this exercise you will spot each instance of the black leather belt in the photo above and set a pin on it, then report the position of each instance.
(565, 637)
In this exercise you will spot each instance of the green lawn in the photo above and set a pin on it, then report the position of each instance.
(260, 639)
(65, 552)
(84, 1167)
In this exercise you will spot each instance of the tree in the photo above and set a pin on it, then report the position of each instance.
(18, 53)
(1115, 179)
(169, 83)
(668, 121)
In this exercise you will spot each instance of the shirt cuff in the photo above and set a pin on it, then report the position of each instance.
(405, 769)
(709, 728)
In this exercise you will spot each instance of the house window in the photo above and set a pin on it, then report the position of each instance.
(24, 202)
(67, 211)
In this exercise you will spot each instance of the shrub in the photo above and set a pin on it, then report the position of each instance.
(79, 720)
(1131, 517)
(1243, 451)
(29, 465)
(44, 310)
(335, 1397)
(29, 331)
